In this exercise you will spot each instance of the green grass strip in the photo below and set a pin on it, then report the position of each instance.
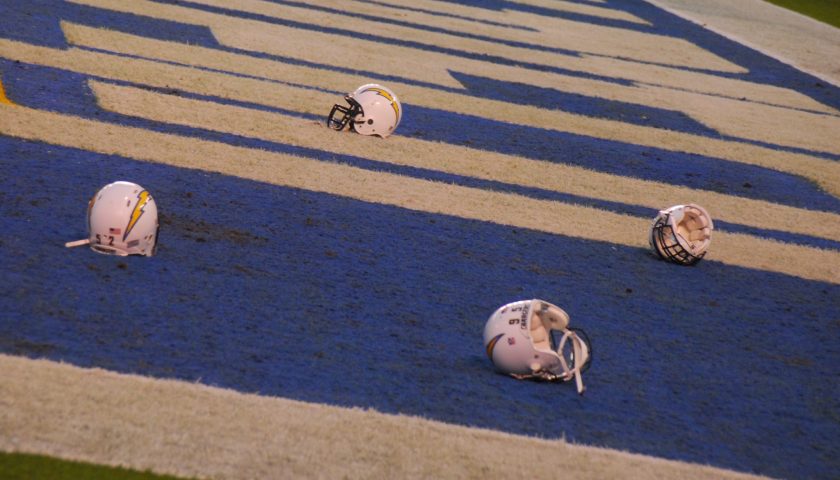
(24, 466)
(827, 11)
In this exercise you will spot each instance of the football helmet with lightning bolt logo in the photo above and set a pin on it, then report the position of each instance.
(373, 110)
(122, 220)
(531, 339)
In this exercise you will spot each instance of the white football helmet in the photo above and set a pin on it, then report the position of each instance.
(682, 233)
(373, 110)
(122, 220)
(521, 339)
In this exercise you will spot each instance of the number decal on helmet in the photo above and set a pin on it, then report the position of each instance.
(122, 220)
(532, 348)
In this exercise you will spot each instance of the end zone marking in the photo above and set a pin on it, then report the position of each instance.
(731, 117)
(458, 160)
(451, 13)
(400, 191)
(416, 63)
(152, 73)
(563, 34)
(592, 10)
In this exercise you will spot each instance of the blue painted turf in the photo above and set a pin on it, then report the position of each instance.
(67, 92)
(37, 22)
(313, 297)
(325, 299)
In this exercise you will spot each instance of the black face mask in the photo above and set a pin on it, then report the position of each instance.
(668, 247)
(347, 114)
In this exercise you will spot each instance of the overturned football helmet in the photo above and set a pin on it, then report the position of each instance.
(531, 339)
(682, 234)
(122, 219)
(373, 110)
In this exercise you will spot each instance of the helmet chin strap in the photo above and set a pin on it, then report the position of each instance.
(577, 347)
(568, 373)
(77, 243)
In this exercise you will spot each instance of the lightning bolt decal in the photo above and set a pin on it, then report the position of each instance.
(143, 198)
(492, 344)
(3, 98)
(388, 96)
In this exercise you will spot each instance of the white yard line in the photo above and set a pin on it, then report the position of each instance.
(802, 42)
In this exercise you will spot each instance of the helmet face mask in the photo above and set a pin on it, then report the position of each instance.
(373, 110)
(122, 220)
(681, 234)
(347, 113)
(531, 339)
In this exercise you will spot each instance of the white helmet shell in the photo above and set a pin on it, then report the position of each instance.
(122, 220)
(374, 110)
(681, 234)
(518, 340)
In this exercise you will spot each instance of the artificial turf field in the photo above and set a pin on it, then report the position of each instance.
(538, 141)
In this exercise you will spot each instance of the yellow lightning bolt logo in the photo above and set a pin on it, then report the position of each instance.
(492, 344)
(390, 98)
(3, 98)
(142, 199)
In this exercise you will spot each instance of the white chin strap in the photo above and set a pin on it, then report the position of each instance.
(578, 348)
(581, 355)
(77, 243)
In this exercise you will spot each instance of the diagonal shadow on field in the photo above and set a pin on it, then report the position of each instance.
(60, 90)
